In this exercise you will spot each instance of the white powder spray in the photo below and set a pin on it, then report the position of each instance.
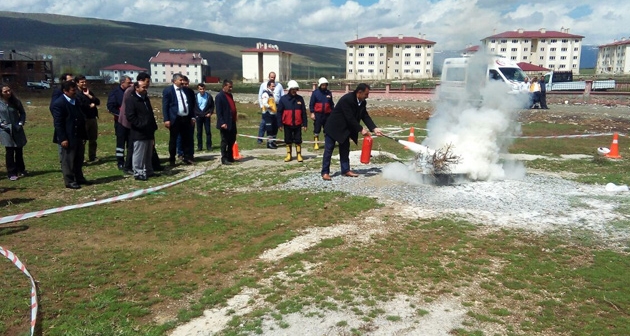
(479, 132)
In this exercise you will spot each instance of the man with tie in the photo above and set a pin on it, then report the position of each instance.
(70, 134)
(178, 107)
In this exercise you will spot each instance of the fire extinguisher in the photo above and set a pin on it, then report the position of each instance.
(366, 150)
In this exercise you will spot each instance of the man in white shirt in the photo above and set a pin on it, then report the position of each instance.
(178, 110)
(277, 93)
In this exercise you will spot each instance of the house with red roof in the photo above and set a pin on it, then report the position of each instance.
(389, 58)
(532, 69)
(554, 50)
(258, 62)
(113, 73)
(611, 57)
(167, 63)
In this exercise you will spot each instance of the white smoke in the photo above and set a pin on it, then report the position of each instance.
(480, 124)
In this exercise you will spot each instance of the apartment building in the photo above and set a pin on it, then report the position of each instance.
(113, 73)
(258, 62)
(611, 58)
(554, 50)
(389, 58)
(167, 63)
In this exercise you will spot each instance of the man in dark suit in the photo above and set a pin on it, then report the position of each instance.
(70, 134)
(178, 111)
(204, 108)
(226, 121)
(343, 125)
(543, 93)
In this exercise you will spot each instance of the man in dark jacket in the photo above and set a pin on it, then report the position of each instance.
(321, 105)
(226, 121)
(70, 133)
(343, 125)
(204, 108)
(114, 102)
(178, 111)
(139, 113)
(88, 102)
(543, 93)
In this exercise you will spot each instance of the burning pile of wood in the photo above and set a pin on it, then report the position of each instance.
(438, 162)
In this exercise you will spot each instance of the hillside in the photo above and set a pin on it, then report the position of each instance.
(85, 45)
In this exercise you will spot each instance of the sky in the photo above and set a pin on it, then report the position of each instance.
(452, 24)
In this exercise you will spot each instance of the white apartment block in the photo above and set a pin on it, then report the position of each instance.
(389, 58)
(611, 58)
(554, 50)
(167, 63)
(265, 58)
(113, 73)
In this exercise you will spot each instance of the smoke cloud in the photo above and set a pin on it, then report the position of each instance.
(480, 123)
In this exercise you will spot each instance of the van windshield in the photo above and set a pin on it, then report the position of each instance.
(513, 74)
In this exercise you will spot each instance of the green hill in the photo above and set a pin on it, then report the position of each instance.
(83, 45)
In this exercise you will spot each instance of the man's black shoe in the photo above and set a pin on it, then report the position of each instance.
(153, 175)
(85, 182)
(231, 160)
(225, 162)
(73, 185)
(128, 172)
(188, 161)
(140, 178)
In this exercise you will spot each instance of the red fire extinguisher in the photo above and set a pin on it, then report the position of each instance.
(366, 150)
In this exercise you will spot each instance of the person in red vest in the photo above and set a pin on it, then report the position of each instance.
(292, 115)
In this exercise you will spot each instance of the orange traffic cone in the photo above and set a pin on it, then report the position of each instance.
(235, 153)
(412, 137)
(614, 148)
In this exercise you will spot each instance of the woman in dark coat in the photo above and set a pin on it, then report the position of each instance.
(12, 136)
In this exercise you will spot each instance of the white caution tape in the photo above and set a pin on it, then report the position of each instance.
(14, 259)
(567, 136)
(15, 218)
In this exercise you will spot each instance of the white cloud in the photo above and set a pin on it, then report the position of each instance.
(450, 23)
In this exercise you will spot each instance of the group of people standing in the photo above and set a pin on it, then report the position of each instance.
(537, 91)
(74, 109)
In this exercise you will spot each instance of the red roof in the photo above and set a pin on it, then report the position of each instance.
(265, 50)
(530, 67)
(390, 40)
(534, 34)
(177, 57)
(472, 49)
(124, 67)
(616, 43)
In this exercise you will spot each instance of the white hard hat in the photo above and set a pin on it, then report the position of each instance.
(321, 81)
(603, 150)
(292, 85)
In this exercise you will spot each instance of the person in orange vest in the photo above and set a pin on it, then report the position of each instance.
(321, 105)
(292, 115)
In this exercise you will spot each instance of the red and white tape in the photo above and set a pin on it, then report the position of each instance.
(19, 217)
(568, 136)
(14, 259)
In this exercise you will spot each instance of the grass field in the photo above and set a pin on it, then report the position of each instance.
(142, 266)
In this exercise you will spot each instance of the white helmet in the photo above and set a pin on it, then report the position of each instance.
(321, 81)
(292, 85)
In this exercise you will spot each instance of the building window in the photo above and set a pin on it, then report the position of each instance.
(428, 62)
(371, 46)
(418, 46)
(525, 49)
(396, 62)
(397, 46)
(407, 71)
(514, 49)
(155, 72)
(526, 41)
(565, 41)
(543, 41)
(349, 70)
(350, 62)
(171, 72)
(381, 54)
(371, 62)
(163, 72)
(350, 54)
(503, 49)
(552, 49)
(524, 57)
(575, 65)
(371, 54)
(577, 41)
(564, 49)
(396, 70)
(397, 55)
(380, 70)
(417, 71)
(575, 49)
(428, 54)
(542, 57)
(381, 62)
(418, 54)
(563, 57)
(553, 41)
(407, 47)
(513, 58)
(116, 71)
(542, 49)
(360, 62)
(171, 65)
(552, 58)
(382, 46)
(493, 41)
(503, 41)
(492, 49)
(418, 63)
(429, 46)
(562, 66)
(428, 71)
(370, 70)
(361, 54)
(551, 66)
(361, 46)
(360, 70)
(574, 57)
(514, 41)
(407, 63)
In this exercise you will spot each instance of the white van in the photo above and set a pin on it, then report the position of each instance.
(463, 77)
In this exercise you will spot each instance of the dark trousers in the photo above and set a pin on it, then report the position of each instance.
(228, 138)
(261, 130)
(14, 158)
(293, 135)
(320, 122)
(72, 163)
(203, 123)
(122, 142)
(271, 124)
(543, 100)
(91, 126)
(344, 155)
(181, 127)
